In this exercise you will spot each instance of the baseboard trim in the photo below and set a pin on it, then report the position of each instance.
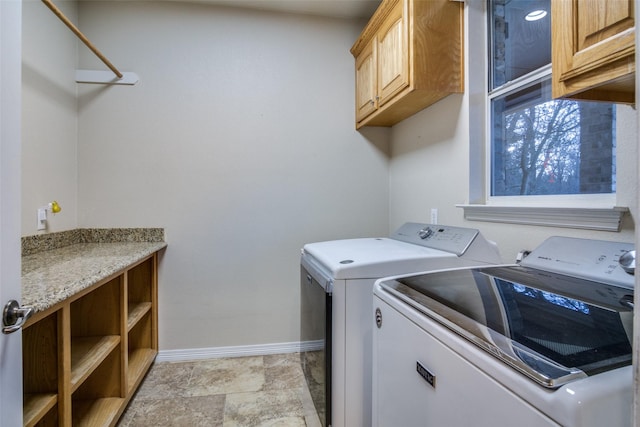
(237, 351)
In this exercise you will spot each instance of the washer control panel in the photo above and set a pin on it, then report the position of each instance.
(596, 260)
(442, 237)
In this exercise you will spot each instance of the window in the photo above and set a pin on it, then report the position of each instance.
(534, 160)
(539, 146)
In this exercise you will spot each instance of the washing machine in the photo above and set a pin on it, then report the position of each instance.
(337, 280)
(546, 342)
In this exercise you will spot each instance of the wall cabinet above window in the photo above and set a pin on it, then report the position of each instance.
(593, 48)
(407, 57)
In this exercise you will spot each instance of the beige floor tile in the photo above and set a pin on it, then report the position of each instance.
(166, 380)
(283, 372)
(230, 375)
(264, 408)
(203, 411)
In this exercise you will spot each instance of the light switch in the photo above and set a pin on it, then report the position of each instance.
(42, 218)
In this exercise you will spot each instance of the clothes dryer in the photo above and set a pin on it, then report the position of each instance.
(337, 280)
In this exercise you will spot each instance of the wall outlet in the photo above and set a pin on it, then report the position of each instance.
(434, 216)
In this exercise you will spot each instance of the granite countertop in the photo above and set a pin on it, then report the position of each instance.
(51, 276)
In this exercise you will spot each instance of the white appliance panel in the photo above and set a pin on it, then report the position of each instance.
(358, 345)
(404, 398)
(582, 258)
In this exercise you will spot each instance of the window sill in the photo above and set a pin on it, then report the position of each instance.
(603, 219)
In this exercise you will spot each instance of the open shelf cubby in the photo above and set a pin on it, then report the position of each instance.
(40, 371)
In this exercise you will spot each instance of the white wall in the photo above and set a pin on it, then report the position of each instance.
(239, 139)
(49, 116)
(429, 168)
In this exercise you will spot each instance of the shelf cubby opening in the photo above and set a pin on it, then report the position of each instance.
(40, 371)
(140, 351)
(139, 280)
(98, 313)
(98, 400)
(49, 419)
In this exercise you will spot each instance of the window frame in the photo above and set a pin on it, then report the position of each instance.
(584, 211)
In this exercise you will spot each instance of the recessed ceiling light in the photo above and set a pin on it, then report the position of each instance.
(535, 15)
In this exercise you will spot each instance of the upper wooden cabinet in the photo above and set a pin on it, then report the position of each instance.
(593, 49)
(408, 57)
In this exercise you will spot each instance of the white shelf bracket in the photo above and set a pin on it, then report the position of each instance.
(106, 77)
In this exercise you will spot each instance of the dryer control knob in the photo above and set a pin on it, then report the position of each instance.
(628, 261)
(425, 233)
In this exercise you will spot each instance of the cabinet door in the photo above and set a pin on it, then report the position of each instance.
(593, 44)
(393, 54)
(366, 81)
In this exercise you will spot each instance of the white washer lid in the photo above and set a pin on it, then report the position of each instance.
(372, 258)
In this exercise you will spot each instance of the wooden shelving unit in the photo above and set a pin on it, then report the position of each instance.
(84, 358)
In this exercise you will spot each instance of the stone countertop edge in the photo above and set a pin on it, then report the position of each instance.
(51, 276)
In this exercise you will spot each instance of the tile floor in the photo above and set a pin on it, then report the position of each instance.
(249, 391)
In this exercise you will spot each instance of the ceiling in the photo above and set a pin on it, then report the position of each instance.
(334, 8)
